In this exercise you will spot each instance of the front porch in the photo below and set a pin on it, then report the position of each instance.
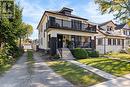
(71, 42)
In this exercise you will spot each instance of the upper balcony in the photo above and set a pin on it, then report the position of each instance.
(71, 25)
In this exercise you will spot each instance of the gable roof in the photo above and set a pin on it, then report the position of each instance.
(108, 34)
(102, 24)
(59, 13)
(120, 26)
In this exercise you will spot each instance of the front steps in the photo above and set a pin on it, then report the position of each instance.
(66, 54)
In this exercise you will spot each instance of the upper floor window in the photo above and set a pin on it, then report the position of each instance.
(109, 28)
(76, 24)
(125, 32)
(100, 41)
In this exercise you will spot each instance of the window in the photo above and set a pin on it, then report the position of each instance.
(118, 42)
(109, 41)
(100, 41)
(109, 28)
(114, 41)
(41, 41)
(76, 24)
(125, 32)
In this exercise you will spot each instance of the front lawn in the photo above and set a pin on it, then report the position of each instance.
(115, 67)
(119, 55)
(75, 74)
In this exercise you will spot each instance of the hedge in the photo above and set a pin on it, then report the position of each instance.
(79, 53)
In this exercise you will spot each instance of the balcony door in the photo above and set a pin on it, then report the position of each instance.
(75, 24)
(52, 21)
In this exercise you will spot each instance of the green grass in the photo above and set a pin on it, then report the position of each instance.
(30, 56)
(115, 67)
(30, 61)
(119, 55)
(75, 74)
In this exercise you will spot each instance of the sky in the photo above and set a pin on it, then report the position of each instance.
(34, 9)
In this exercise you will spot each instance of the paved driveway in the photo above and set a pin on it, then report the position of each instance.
(40, 75)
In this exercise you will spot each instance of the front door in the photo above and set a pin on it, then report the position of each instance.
(60, 41)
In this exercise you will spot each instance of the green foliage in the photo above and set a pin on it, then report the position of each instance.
(93, 53)
(29, 54)
(10, 32)
(120, 8)
(79, 53)
(129, 50)
(112, 66)
(56, 57)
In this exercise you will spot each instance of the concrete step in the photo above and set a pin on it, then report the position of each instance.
(66, 54)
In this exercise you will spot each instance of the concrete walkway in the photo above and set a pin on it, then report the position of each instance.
(17, 76)
(45, 77)
(38, 75)
(94, 70)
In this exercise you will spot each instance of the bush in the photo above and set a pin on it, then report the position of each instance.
(79, 53)
(93, 54)
(56, 56)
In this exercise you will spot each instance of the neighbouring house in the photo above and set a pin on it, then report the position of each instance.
(35, 44)
(109, 38)
(62, 29)
(125, 30)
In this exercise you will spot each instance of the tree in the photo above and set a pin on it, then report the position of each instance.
(25, 31)
(120, 8)
(11, 30)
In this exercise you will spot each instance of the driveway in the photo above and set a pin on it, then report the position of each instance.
(40, 75)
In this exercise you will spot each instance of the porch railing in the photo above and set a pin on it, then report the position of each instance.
(65, 24)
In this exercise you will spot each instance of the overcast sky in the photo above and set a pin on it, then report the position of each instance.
(33, 10)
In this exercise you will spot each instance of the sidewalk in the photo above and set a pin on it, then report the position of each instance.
(119, 82)
(94, 70)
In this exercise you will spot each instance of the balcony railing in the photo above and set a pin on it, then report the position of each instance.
(64, 24)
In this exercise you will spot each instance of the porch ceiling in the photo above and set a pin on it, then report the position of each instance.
(70, 32)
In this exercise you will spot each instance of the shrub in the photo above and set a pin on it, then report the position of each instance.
(79, 53)
(56, 56)
(129, 50)
(93, 54)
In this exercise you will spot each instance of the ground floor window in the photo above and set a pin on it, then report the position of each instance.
(114, 41)
(109, 41)
(118, 42)
(100, 41)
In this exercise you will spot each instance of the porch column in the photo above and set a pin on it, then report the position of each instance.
(93, 42)
(53, 43)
